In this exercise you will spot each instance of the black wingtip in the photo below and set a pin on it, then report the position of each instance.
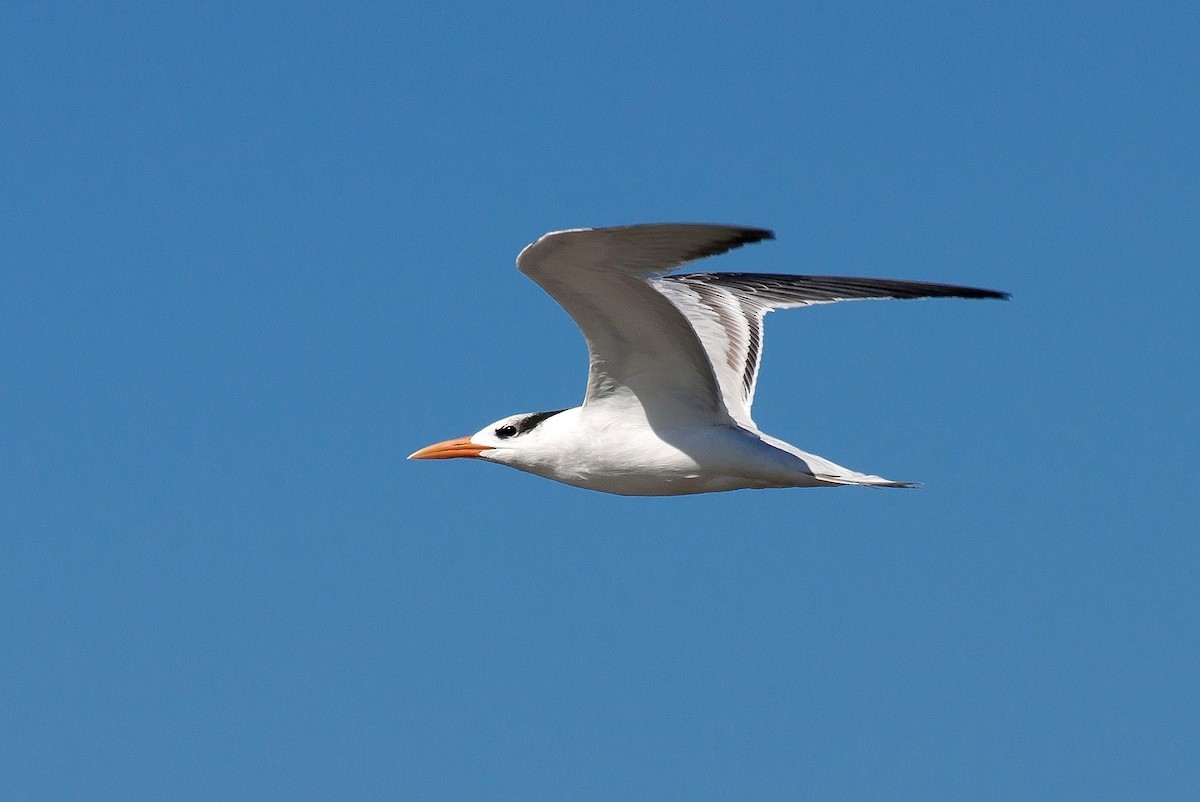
(756, 235)
(737, 237)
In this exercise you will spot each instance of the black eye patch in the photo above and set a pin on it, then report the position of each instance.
(531, 422)
(525, 424)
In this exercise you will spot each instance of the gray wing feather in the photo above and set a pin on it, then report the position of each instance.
(639, 344)
(778, 291)
(727, 310)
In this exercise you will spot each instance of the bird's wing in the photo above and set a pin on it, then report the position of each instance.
(726, 311)
(642, 349)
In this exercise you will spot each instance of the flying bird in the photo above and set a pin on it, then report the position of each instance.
(673, 362)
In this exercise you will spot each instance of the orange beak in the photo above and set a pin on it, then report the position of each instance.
(449, 449)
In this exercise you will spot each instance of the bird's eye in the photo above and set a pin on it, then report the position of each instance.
(506, 431)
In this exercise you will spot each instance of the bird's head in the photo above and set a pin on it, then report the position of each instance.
(518, 440)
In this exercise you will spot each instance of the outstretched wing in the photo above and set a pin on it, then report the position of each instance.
(726, 311)
(642, 350)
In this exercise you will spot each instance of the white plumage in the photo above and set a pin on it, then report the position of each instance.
(673, 363)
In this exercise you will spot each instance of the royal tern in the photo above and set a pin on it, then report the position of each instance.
(673, 365)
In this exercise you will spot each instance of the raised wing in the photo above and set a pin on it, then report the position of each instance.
(641, 348)
(726, 311)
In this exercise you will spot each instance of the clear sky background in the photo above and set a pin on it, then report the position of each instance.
(253, 257)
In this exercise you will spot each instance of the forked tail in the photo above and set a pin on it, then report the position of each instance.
(831, 473)
(863, 480)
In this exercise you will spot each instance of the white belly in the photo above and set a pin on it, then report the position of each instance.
(677, 462)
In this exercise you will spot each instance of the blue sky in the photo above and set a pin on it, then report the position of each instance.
(252, 257)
